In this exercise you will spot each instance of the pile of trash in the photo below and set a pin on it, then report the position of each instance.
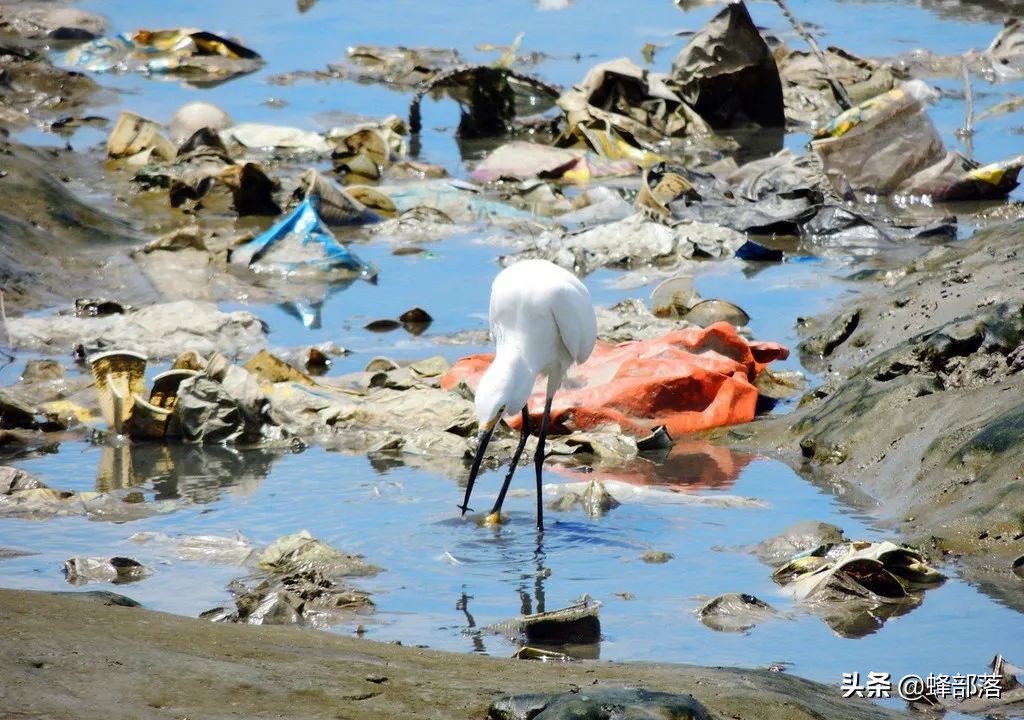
(201, 57)
(853, 585)
(298, 579)
(159, 331)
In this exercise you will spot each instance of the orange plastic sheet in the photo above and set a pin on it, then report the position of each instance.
(686, 380)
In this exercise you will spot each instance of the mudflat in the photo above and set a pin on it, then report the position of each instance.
(82, 655)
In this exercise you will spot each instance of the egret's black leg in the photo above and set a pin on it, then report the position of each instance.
(483, 437)
(538, 459)
(523, 434)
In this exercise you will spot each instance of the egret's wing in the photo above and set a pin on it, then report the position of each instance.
(576, 321)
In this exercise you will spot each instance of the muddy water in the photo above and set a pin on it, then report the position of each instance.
(447, 579)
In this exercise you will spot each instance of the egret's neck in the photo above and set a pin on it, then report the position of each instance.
(506, 386)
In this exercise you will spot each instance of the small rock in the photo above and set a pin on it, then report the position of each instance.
(656, 557)
(42, 370)
(734, 612)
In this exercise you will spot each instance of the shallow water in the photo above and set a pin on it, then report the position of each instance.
(447, 579)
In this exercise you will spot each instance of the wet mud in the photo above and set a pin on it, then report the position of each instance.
(160, 665)
(919, 415)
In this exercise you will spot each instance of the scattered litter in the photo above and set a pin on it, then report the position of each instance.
(267, 137)
(117, 570)
(301, 581)
(625, 493)
(204, 548)
(139, 140)
(856, 585)
(527, 652)
(490, 98)
(520, 160)
(302, 245)
(595, 500)
(888, 146)
(727, 75)
(201, 57)
(735, 612)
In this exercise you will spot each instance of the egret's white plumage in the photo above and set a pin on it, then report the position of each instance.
(542, 321)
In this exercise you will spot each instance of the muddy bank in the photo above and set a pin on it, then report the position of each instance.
(80, 655)
(920, 417)
(51, 242)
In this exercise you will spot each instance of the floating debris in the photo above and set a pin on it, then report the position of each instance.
(735, 612)
(301, 582)
(301, 244)
(117, 570)
(201, 57)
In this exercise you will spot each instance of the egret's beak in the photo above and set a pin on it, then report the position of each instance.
(482, 438)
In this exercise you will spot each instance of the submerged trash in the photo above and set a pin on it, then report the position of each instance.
(363, 152)
(199, 56)
(301, 582)
(806, 85)
(626, 492)
(656, 557)
(856, 585)
(14, 480)
(634, 241)
(261, 136)
(301, 551)
(53, 23)
(206, 548)
(221, 403)
(25, 496)
(117, 570)
(708, 312)
(519, 160)
(301, 244)
(399, 66)
(595, 500)
(798, 538)
(337, 205)
(734, 612)
(533, 653)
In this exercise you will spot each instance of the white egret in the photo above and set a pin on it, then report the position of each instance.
(542, 322)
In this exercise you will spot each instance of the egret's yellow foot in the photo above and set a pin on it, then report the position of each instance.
(493, 518)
